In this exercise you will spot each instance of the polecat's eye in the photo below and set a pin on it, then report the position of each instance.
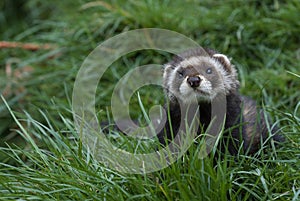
(209, 71)
(180, 73)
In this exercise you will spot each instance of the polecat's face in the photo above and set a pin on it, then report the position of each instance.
(203, 77)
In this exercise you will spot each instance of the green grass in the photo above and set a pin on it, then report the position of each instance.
(41, 154)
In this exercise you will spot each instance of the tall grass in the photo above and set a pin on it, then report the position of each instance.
(41, 153)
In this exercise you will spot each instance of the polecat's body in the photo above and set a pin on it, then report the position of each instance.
(204, 75)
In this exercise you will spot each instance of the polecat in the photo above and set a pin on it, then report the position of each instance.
(204, 74)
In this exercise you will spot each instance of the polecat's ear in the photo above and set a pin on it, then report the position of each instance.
(168, 66)
(223, 59)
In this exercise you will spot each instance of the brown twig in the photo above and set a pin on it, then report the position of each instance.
(26, 46)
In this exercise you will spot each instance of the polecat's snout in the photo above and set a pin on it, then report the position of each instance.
(194, 81)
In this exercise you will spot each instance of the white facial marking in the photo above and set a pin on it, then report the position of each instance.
(189, 62)
(205, 85)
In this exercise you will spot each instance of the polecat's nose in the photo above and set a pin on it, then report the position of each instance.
(194, 81)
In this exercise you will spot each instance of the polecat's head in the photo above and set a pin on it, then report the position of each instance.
(199, 73)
